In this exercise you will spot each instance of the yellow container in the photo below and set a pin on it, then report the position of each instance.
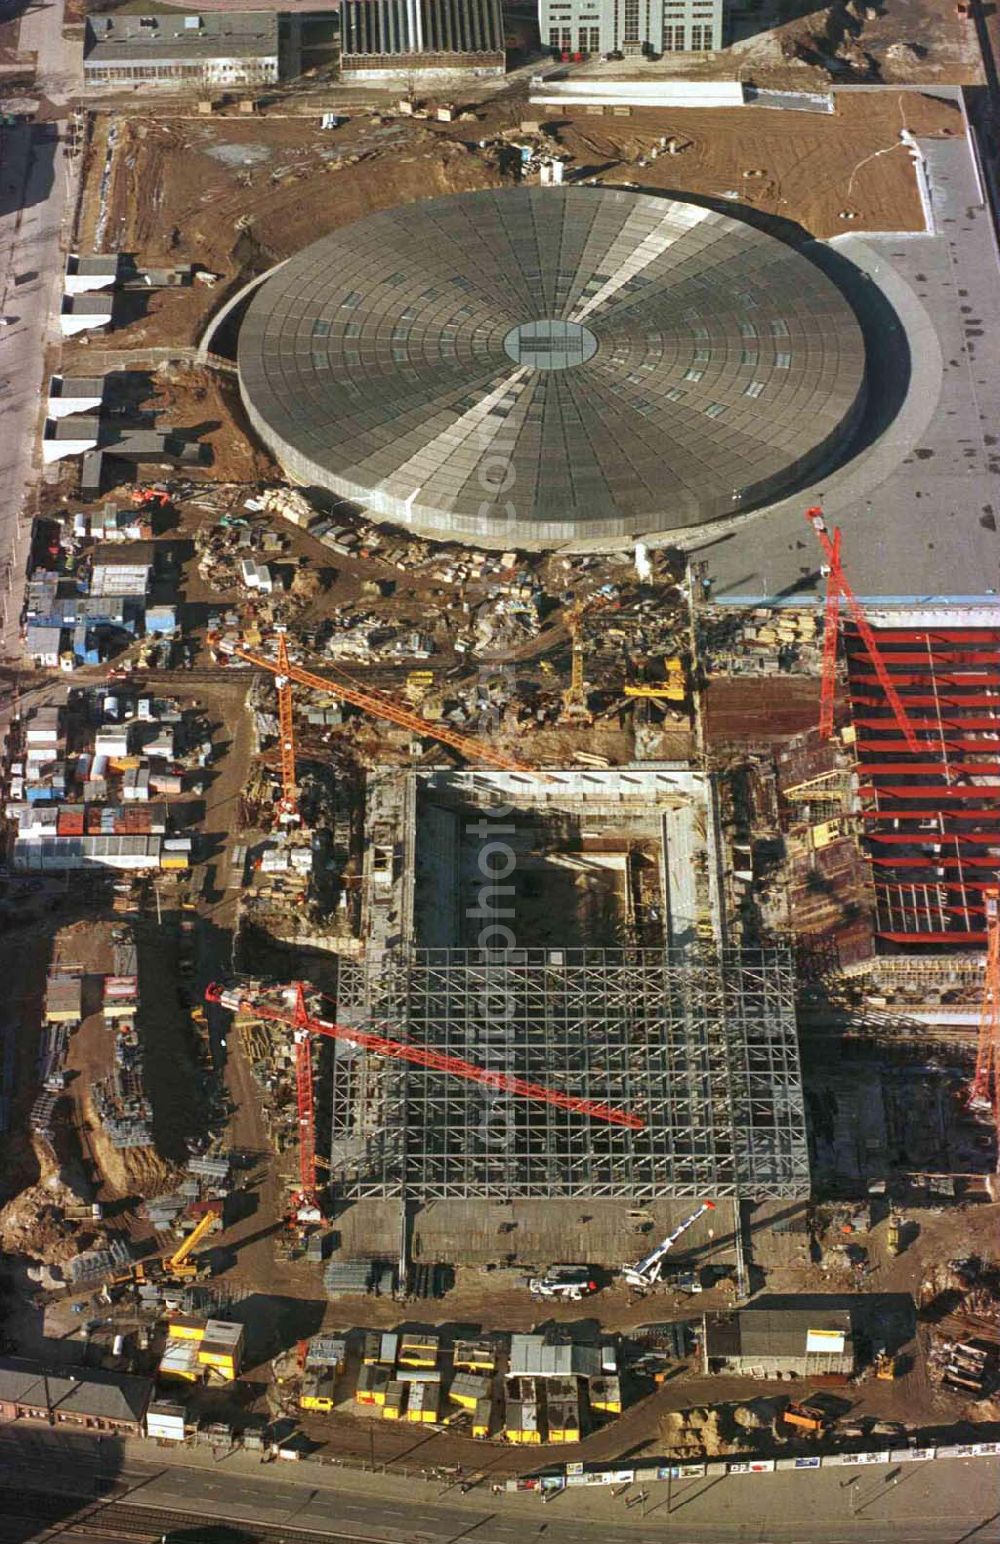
(419, 1350)
(481, 1419)
(186, 1329)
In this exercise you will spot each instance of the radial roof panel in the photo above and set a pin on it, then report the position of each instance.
(532, 366)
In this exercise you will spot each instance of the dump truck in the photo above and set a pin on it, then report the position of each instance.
(806, 1418)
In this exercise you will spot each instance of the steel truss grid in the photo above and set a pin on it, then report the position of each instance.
(703, 1047)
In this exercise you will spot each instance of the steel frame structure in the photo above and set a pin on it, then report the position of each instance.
(702, 1047)
(931, 818)
(986, 1081)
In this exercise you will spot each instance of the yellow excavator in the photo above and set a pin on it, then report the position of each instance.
(673, 688)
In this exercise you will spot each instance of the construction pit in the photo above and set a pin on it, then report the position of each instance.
(613, 996)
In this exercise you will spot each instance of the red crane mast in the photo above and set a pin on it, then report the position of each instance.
(838, 589)
(304, 1026)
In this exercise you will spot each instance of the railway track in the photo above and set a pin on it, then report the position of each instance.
(44, 1518)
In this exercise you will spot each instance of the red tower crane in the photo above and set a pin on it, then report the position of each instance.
(377, 703)
(303, 1026)
(838, 589)
(986, 1079)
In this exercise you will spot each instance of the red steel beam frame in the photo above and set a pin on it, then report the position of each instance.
(921, 894)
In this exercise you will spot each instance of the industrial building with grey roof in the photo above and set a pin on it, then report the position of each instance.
(171, 48)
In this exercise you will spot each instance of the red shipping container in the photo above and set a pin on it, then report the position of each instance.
(69, 822)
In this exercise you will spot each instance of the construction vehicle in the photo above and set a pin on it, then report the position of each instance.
(178, 1266)
(292, 1010)
(894, 1234)
(885, 1365)
(646, 1273)
(838, 590)
(672, 689)
(145, 497)
(378, 704)
(805, 1417)
(574, 706)
(566, 1283)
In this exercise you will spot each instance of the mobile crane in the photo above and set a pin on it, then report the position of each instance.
(178, 1266)
(304, 1025)
(377, 703)
(649, 1269)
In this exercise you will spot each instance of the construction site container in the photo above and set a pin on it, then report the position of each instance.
(395, 1400)
(63, 999)
(467, 1389)
(474, 1356)
(180, 1361)
(222, 1348)
(166, 782)
(174, 860)
(424, 1402)
(418, 1375)
(183, 1328)
(481, 1419)
(165, 1421)
(563, 1419)
(327, 1351)
(379, 1347)
(318, 1393)
(419, 1350)
(373, 1381)
(521, 1423)
(606, 1395)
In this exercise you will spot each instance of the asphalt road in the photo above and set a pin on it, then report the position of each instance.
(35, 180)
(954, 1501)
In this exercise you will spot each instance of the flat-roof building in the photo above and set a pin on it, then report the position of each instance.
(604, 27)
(386, 39)
(174, 49)
(763, 1342)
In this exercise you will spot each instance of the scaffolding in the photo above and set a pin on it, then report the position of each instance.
(703, 1047)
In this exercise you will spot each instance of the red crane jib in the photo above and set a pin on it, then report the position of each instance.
(423, 1056)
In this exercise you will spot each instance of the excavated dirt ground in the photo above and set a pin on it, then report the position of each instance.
(236, 195)
(802, 167)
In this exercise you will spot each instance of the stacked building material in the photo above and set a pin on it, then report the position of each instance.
(344, 1278)
(95, 1263)
(123, 1109)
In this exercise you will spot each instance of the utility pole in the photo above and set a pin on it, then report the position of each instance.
(742, 1281)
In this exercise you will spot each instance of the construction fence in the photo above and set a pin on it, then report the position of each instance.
(649, 1473)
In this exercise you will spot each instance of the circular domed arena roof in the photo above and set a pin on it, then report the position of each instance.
(532, 366)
